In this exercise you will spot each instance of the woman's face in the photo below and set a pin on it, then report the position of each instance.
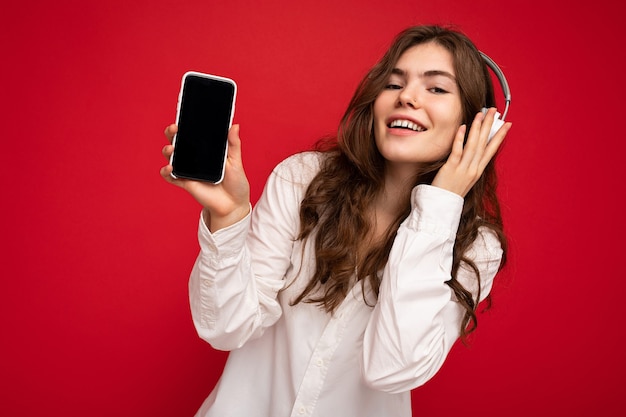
(419, 112)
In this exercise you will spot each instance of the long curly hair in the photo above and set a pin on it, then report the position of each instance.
(336, 203)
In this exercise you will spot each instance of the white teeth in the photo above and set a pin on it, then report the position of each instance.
(407, 124)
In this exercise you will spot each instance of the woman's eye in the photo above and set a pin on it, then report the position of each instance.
(437, 90)
(392, 86)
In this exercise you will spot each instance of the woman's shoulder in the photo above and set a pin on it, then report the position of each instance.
(300, 168)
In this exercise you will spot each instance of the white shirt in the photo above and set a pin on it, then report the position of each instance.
(298, 360)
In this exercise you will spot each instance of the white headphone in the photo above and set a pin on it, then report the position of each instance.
(498, 121)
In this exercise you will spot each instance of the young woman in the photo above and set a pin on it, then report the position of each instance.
(363, 261)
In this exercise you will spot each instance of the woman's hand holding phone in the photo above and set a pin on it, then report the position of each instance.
(225, 203)
(467, 162)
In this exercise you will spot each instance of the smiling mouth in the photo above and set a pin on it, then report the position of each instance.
(406, 124)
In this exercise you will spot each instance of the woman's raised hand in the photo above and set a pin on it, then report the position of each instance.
(225, 203)
(466, 163)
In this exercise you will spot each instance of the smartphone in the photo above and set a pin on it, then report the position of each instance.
(204, 114)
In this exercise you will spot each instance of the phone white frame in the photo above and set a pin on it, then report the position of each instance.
(232, 111)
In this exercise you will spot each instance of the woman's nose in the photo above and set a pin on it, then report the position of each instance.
(408, 97)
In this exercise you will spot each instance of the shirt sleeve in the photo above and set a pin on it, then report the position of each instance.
(240, 269)
(417, 318)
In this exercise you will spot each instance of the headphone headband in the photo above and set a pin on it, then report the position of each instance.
(502, 79)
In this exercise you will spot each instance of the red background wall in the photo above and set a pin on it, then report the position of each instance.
(97, 248)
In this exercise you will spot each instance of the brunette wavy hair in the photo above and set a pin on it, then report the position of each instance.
(336, 203)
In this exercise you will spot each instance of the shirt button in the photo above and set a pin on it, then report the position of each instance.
(320, 362)
(302, 410)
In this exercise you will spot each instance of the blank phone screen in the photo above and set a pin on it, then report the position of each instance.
(204, 118)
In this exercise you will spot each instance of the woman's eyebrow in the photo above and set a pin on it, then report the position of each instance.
(398, 71)
(427, 74)
(435, 73)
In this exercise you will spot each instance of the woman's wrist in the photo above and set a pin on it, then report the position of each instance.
(215, 223)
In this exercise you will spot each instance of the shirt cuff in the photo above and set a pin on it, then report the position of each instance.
(225, 242)
(435, 210)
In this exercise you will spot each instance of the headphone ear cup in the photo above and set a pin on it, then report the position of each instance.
(497, 123)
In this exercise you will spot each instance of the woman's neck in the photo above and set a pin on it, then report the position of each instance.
(399, 181)
(390, 203)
